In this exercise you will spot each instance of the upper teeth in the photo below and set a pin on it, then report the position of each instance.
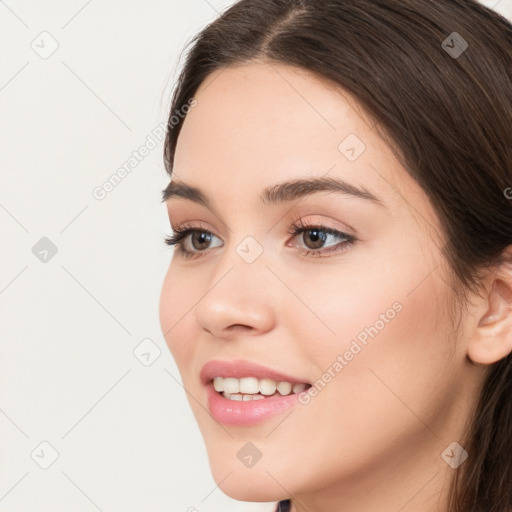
(253, 385)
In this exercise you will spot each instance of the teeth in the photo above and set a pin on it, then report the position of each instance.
(249, 385)
(239, 397)
(284, 388)
(231, 385)
(250, 388)
(268, 386)
(218, 384)
(298, 388)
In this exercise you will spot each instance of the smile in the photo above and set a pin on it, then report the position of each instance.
(243, 393)
(252, 388)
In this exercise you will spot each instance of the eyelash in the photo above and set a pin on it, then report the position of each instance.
(177, 239)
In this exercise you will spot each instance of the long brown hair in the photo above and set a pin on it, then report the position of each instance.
(436, 76)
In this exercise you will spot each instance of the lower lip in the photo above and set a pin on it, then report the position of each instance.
(250, 412)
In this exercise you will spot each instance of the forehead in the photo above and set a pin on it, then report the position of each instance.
(261, 118)
(261, 123)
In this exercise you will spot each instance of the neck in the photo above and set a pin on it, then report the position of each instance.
(410, 484)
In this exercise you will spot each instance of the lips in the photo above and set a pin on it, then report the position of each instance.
(241, 412)
(242, 368)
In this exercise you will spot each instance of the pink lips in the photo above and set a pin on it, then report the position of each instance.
(244, 413)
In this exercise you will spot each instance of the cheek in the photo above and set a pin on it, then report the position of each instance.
(377, 338)
(394, 388)
(175, 313)
(393, 307)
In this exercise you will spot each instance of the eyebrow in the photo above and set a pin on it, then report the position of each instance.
(281, 192)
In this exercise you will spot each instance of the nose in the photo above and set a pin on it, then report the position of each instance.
(237, 302)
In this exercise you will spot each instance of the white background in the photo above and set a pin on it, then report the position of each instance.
(125, 437)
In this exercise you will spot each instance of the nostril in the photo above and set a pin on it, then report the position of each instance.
(241, 327)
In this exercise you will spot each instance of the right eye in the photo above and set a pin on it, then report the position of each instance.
(198, 242)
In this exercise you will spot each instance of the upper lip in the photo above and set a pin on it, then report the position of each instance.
(242, 368)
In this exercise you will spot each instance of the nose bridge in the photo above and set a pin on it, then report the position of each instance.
(247, 257)
(238, 292)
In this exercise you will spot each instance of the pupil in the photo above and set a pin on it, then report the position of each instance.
(203, 237)
(318, 239)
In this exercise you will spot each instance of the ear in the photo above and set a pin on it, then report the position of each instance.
(491, 339)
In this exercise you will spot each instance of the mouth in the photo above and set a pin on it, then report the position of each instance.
(243, 393)
(251, 388)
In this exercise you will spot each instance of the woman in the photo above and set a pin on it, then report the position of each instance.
(339, 303)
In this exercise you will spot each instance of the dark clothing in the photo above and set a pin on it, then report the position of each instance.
(283, 506)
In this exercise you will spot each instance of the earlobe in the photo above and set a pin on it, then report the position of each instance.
(492, 337)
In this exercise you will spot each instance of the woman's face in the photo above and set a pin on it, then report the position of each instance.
(368, 321)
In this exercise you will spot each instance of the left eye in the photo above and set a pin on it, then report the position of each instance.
(315, 238)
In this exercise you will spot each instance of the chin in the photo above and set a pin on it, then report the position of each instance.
(244, 483)
(249, 486)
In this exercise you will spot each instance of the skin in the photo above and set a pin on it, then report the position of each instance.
(371, 440)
